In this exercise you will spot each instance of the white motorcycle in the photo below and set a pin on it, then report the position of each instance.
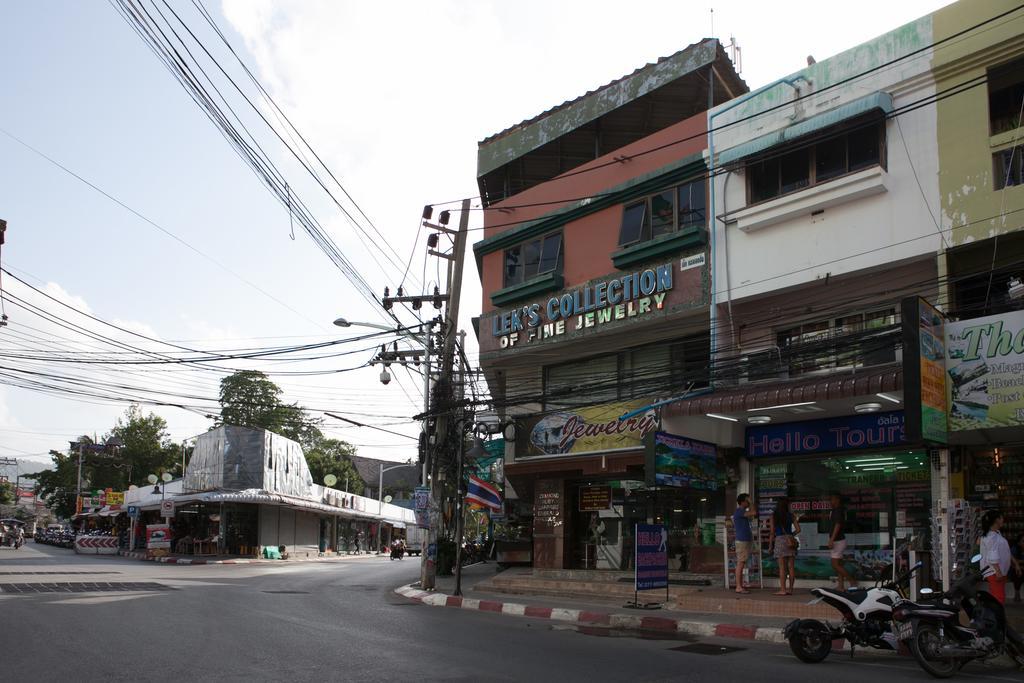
(867, 619)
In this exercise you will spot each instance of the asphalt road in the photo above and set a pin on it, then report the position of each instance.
(338, 621)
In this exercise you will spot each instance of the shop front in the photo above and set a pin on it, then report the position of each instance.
(885, 485)
(592, 478)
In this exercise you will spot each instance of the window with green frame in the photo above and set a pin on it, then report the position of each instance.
(667, 211)
(526, 261)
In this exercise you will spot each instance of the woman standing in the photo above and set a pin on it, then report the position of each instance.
(995, 555)
(783, 544)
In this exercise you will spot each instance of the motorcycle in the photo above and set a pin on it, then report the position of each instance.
(397, 551)
(867, 619)
(945, 631)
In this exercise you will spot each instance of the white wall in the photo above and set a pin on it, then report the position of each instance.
(805, 248)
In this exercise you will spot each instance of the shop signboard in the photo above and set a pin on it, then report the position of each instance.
(592, 429)
(874, 430)
(924, 376)
(985, 371)
(158, 536)
(115, 498)
(595, 498)
(651, 561)
(421, 498)
(682, 462)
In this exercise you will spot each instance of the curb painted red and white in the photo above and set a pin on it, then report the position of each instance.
(633, 622)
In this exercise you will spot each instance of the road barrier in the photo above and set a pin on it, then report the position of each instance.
(96, 545)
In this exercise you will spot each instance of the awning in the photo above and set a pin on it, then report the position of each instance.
(396, 525)
(878, 100)
(110, 511)
(261, 497)
(821, 388)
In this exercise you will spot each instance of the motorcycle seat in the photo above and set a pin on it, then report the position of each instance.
(851, 594)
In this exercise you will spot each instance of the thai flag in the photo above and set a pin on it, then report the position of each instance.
(482, 493)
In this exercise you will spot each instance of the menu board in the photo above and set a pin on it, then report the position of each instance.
(595, 498)
(547, 506)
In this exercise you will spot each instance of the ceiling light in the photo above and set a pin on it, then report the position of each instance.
(867, 407)
(887, 397)
(783, 405)
(759, 419)
(722, 417)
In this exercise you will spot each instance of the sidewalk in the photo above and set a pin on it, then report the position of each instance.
(748, 623)
(234, 559)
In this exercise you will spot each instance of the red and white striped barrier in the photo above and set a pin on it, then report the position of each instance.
(96, 545)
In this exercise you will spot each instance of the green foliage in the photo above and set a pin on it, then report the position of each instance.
(333, 456)
(147, 450)
(248, 398)
(57, 486)
(6, 493)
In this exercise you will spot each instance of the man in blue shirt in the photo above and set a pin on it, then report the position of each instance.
(744, 536)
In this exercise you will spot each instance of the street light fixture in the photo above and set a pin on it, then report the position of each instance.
(380, 494)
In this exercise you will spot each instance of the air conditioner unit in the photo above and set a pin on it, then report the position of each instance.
(758, 365)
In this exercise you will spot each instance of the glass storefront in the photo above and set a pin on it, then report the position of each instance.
(604, 514)
(997, 482)
(888, 500)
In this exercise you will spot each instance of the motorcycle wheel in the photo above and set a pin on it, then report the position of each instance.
(811, 641)
(923, 646)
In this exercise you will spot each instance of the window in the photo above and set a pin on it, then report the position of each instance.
(849, 341)
(1005, 94)
(649, 370)
(668, 211)
(1009, 167)
(530, 259)
(813, 163)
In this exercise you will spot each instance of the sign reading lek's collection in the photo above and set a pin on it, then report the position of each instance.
(628, 296)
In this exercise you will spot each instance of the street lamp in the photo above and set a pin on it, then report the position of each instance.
(380, 494)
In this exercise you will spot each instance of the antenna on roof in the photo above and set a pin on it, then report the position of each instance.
(736, 54)
(712, 22)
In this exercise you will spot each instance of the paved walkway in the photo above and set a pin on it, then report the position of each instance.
(758, 615)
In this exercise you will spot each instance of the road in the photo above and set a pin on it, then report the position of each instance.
(339, 620)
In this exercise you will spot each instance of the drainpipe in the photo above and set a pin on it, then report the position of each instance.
(712, 215)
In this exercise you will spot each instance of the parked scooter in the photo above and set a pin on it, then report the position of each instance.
(945, 631)
(867, 619)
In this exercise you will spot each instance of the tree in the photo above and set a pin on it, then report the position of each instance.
(333, 456)
(6, 493)
(57, 486)
(147, 449)
(248, 398)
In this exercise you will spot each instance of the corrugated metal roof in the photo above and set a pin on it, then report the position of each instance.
(500, 148)
(826, 388)
(878, 100)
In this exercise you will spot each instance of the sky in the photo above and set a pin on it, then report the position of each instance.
(392, 96)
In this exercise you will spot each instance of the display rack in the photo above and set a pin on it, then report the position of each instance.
(957, 527)
(998, 482)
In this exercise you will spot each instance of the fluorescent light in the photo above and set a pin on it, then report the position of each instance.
(721, 417)
(887, 397)
(874, 469)
(867, 407)
(889, 459)
(759, 419)
(784, 405)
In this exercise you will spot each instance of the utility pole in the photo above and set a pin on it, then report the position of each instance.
(428, 567)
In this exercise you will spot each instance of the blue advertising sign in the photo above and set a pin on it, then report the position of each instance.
(651, 563)
(421, 496)
(876, 430)
(680, 461)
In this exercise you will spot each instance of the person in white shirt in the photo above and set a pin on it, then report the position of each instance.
(995, 554)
